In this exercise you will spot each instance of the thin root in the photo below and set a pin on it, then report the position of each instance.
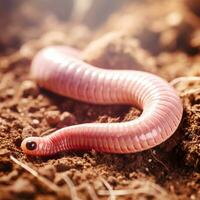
(110, 190)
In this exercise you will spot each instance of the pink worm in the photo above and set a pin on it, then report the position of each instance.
(59, 70)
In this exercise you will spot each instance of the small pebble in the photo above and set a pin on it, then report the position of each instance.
(35, 123)
(10, 92)
(66, 119)
(52, 117)
(29, 88)
(192, 197)
(147, 169)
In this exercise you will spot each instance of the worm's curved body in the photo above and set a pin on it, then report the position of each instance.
(57, 70)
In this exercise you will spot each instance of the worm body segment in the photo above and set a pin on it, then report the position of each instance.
(59, 70)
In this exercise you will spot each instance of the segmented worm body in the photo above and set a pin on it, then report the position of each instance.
(58, 69)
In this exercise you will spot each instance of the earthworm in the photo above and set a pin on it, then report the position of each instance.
(60, 70)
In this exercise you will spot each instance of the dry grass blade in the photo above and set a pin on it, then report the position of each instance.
(116, 192)
(42, 179)
(71, 186)
(147, 187)
(138, 188)
(90, 190)
(184, 79)
(110, 190)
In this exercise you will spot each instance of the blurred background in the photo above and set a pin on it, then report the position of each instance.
(154, 15)
(89, 12)
(43, 15)
(156, 27)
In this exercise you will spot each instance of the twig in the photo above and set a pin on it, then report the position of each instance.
(44, 180)
(71, 186)
(110, 190)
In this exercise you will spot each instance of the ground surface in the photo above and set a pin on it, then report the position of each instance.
(161, 36)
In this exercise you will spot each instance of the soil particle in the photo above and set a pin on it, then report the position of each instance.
(28, 88)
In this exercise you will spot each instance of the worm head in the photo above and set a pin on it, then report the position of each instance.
(32, 146)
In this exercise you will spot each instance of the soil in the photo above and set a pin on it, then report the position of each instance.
(158, 36)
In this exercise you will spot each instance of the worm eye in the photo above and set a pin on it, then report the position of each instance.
(30, 145)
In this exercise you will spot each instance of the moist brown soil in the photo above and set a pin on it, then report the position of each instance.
(158, 36)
